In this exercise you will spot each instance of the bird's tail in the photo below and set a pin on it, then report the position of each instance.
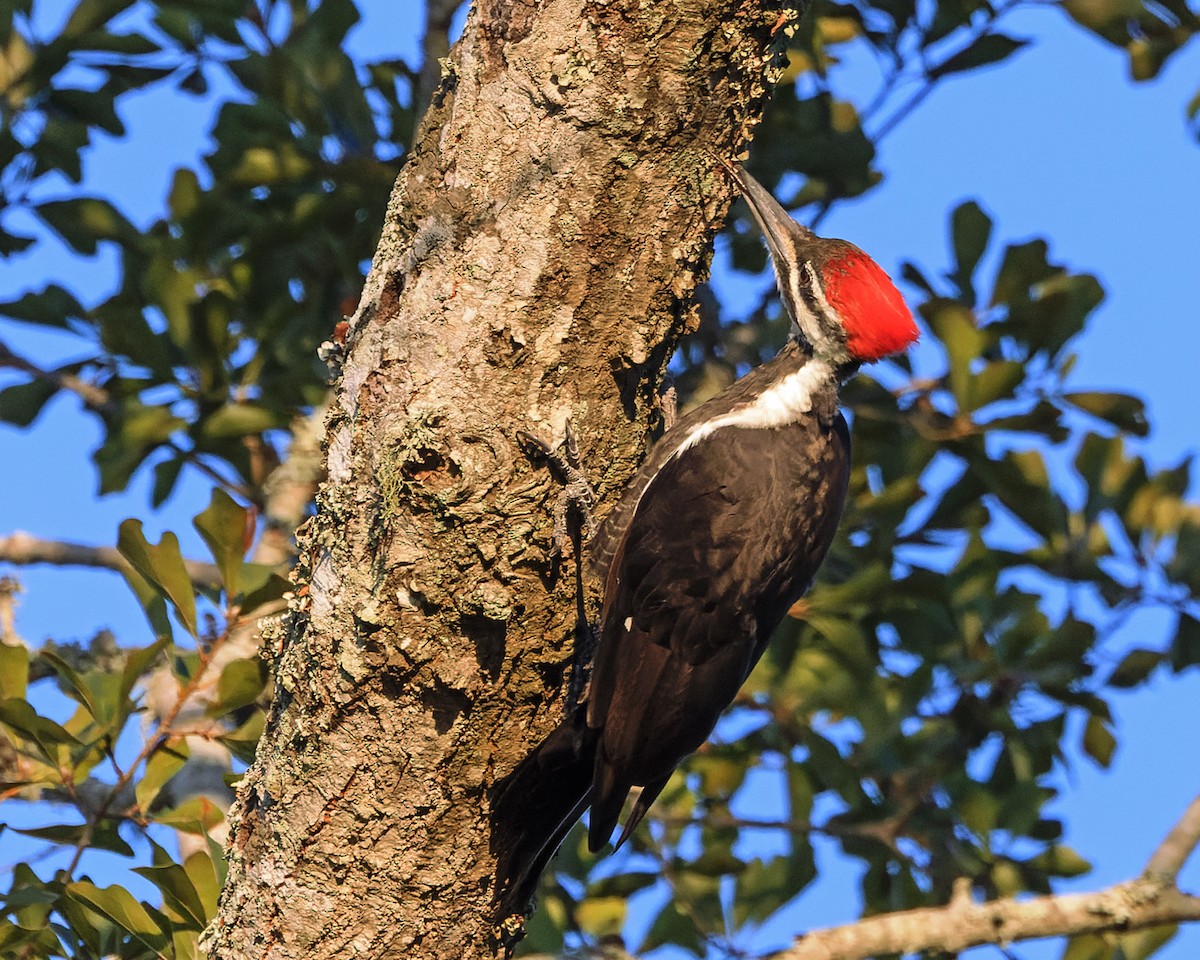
(533, 809)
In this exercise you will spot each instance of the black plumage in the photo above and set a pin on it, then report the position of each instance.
(702, 557)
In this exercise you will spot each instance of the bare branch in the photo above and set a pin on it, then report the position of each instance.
(93, 396)
(1125, 907)
(1151, 900)
(1166, 861)
(24, 549)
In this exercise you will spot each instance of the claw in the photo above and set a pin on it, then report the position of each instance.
(577, 493)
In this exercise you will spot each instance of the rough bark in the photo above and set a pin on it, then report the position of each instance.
(537, 263)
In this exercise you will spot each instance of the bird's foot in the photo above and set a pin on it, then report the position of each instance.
(576, 494)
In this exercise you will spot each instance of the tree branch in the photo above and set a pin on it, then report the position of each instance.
(1179, 843)
(1151, 900)
(1125, 907)
(95, 397)
(24, 549)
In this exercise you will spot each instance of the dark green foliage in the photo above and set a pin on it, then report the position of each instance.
(69, 915)
(224, 299)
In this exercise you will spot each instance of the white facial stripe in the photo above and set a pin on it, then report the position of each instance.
(802, 296)
(799, 301)
(784, 403)
(818, 293)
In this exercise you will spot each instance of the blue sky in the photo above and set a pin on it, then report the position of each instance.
(1055, 142)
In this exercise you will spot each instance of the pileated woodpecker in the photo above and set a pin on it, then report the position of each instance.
(720, 531)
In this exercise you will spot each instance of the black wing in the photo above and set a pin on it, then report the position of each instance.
(716, 553)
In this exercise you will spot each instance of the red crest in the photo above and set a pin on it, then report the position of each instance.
(877, 320)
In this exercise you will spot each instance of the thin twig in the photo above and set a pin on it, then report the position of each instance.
(24, 549)
(162, 734)
(98, 400)
(94, 397)
(930, 75)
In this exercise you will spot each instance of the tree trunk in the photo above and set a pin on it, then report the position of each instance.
(537, 264)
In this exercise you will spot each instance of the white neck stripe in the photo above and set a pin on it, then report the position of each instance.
(782, 404)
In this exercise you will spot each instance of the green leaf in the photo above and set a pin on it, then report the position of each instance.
(166, 475)
(261, 585)
(207, 876)
(996, 381)
(970, 229)
(137, 664)
(1185, 647)
(52, 306)
(29, 899)
(125, 332)
(956, 327)
(128, 44)
(1144, 943)
(186, 193)
(21, 403)
(764, 886)
(161, 565)
(179, 894)
(90, 14)
(1090, 946)
(185, 900)
(1135, 668)
(244, 740)
(240, 420)
(674, 927)
(241, 683)
(84, 221)
(134, 432)
(601, 916)
(1020, 481)
(196, 815)
(1061, 862)
(1098, 741)
(153, 604)
(14, 670)
(20, 717)
(990, 48)
(910, 273)
(163, 764)
(12, 243)
(623, 884)
(118, 905)
(224, 525)
(104, 836)
(1120, 409)
(60, 145)
(77, 689)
